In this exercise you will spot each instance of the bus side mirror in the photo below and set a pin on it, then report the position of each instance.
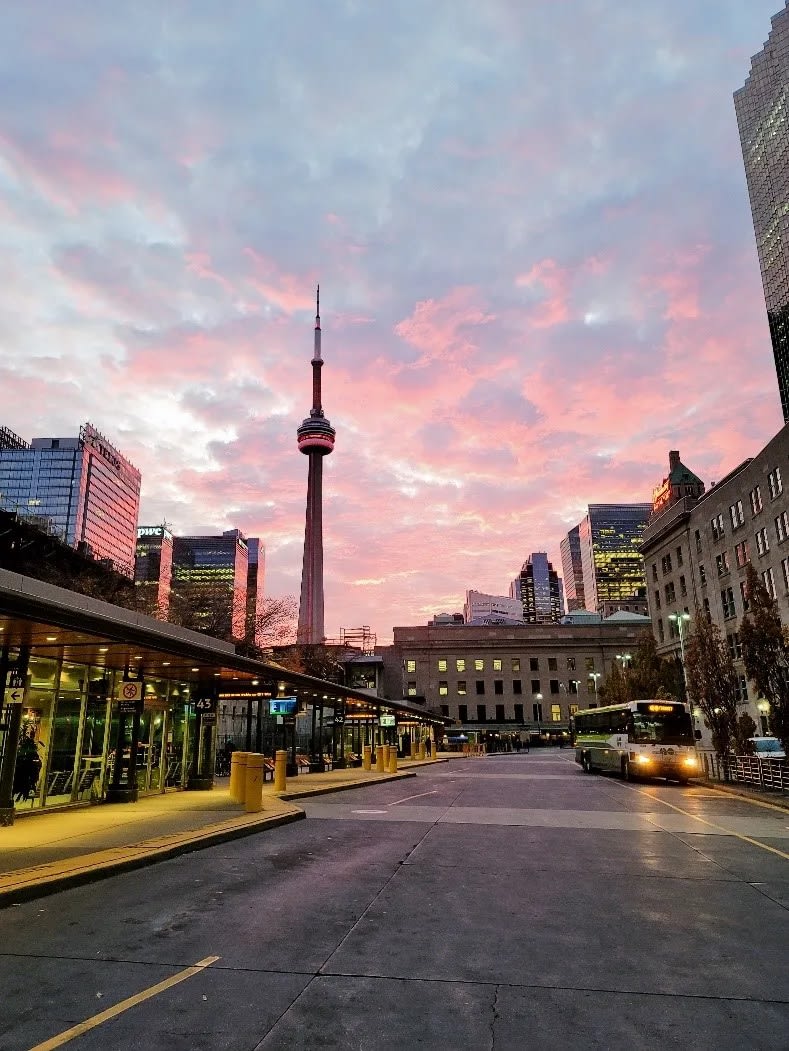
(697, 735)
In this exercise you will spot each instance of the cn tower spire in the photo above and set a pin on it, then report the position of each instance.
(315, 439)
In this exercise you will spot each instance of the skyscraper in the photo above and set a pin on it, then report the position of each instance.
(315, 439)
(79, 489)
(572, 570)
(762, 116)
(153, 567)
(539, 589)
(610, 537)
(210, 573)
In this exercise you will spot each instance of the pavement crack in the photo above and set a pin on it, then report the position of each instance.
(494, 1017)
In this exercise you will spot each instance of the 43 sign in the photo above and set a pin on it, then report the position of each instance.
(205, 704)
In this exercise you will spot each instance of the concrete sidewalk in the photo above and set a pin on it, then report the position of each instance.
(51, 850)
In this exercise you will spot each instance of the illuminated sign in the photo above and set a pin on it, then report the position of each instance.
(150, 531)
(660, 708)
(282, 706)
(387, 720)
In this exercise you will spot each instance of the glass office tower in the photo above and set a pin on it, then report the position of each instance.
(79, 489)
(572, 570)
(610, 538)
(539, 588)
(211, 574)
(761, 107)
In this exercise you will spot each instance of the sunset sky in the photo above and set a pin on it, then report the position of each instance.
(528, 218)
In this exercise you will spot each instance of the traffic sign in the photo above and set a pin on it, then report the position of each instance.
(14, 696)
(130, 691)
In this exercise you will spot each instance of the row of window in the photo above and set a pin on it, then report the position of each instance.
(461, 687)
(554, 713)
(736, 511)
(496, 663)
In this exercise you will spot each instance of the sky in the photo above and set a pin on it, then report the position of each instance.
(531, 228)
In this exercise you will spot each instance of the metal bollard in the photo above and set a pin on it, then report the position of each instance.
(280, 770)
(392, 760)
(387, 748)
(238, 776)
(379, 759)
(422, 751)
(367, 757)
(253, 797)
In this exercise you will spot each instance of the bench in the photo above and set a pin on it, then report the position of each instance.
(303, 763)
(327, 762)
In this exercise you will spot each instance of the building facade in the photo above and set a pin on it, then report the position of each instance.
(613, 573)
(538, 588)
(153, 567)
(479, 606)
(763, 122)
(572, 570)
(81, 490)
(210, 573)
(506, 679)
(696, 548)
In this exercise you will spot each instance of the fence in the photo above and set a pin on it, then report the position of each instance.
(771, 774)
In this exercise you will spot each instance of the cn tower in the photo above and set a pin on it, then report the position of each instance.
(315, 439)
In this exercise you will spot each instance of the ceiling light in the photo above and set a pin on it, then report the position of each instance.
(165, 664)
(195, 669)
(103, 649)
(52, 638)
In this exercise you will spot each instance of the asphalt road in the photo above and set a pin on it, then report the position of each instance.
(500, 903)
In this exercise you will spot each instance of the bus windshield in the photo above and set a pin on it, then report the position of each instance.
(671, 727)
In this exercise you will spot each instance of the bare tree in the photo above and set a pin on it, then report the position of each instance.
(712, 682)
(273, 625)
(765, 652)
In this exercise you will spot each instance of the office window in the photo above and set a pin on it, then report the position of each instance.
(661, 630)
(671, 595)
(573, 709)
(590, 664)
(535, 686)
(702, 576)
(556, 713)
(657, 599)
(746, 605)
(479, 665)
(410, 665)
(572, 686)
(706, 607)
(482, 713)
(518, 713)
(756, 500)
(716, 527)
(737, 515)
(743, 684)
(517, 686)
(498, 686)
(735, 645)
(537, 712)
(683, 587)
(762, 542)
(445, 709)
(554, 685)
(442, 664)
(460, 664)
(552, 665)
(680, 559)
(463, 713)
(461, 687)
(775, 483)
(654, 570)
(769, 582)
(496, 664)
(571, 663)
(500, 713)
(727, 602)
(443, 688)
(697, 537)
(534, 664)
(782, 526)
(480, 687)
(741, 553)
(665, 564)
(410, 689)
(785, 571)
(516, 664)
(722, 563)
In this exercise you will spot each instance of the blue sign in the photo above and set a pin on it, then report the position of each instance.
(283, 706)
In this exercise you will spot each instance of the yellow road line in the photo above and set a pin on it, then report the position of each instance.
(712, 824)
(124, 1005)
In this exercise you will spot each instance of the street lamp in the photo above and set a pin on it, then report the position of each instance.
(681, 619)
(594, 676)
(625, 658)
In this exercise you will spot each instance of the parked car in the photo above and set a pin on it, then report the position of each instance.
(768, 747)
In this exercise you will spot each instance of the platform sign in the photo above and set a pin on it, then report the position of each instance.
(283, 706)
(387, 720)
(15, 687)
(130, 697)
(205, 705)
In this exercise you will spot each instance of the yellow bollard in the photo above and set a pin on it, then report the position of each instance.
(386, 756)
(379, 759)
(367, 757)
(392, 759)
(238, 776)
(280, 767)
(422, 751)
(253, 796)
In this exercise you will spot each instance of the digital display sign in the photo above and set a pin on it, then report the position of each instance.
(283, 706)
(387, 720)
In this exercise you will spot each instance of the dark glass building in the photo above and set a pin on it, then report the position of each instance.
(539, 588)
(761, 107)
(610, 538)
(572, 570)
(81, 490)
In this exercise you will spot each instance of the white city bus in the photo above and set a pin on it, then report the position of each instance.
(650, 738)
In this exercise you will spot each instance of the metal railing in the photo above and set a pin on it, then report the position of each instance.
(771, 774)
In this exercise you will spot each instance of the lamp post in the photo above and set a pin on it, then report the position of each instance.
(681, 619)
(625, 658)
(594, 676)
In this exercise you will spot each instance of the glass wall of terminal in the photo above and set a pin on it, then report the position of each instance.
(69, 735)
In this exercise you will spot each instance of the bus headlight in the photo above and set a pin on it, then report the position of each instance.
(644, 759)
(690, 760)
